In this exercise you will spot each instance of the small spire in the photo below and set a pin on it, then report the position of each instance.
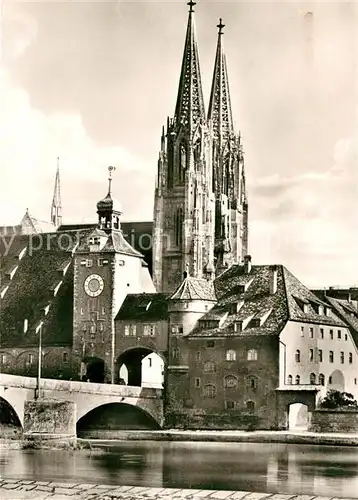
(189, 109)
(56, 208)
(220, 104)
(110, 170)
(221, 26)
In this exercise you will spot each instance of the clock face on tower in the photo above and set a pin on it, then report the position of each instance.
(94, 285)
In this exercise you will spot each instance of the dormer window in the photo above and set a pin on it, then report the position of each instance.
(235, 307)
(237, 326)
(94, 240)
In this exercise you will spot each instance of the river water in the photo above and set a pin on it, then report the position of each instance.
(274, 468)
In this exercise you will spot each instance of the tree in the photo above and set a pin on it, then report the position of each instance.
(337, 399)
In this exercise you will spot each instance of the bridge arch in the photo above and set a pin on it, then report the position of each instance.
(8, 414)
(108, 418)
(140, 367)
(336, 381)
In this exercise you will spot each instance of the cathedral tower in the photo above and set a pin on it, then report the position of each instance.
(200, 202)
(228, 169)
(184, 201)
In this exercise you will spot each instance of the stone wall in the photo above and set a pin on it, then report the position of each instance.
(324, 420)
(52, 417)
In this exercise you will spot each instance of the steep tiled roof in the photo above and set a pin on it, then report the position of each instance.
(296, 293)
(245, 296)
(195, 289)
(37, 286)
(255, 308)
(144, 307)
(347, 312)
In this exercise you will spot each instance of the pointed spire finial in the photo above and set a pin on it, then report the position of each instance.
(191, 6)
(110, 170)
(56, 207)
(221, 26)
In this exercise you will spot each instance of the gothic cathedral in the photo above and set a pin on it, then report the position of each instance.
(200, 209)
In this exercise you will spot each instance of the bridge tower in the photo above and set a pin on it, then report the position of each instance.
(106, 269)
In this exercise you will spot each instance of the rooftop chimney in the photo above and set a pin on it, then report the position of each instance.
(247, 264)
(273, 280)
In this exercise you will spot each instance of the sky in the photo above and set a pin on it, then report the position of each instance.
(93, 83)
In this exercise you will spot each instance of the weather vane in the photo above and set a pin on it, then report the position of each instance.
(110, 170)
(220, 26)
(191, 5)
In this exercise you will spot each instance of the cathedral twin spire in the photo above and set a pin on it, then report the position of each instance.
(190, 110)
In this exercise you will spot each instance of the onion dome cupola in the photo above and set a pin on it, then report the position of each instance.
(109, 210)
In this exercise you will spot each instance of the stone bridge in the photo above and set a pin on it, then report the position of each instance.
(15, 390)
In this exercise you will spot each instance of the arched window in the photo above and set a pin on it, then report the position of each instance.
(298, 380)
(252, 355)
(252, 382)
(175, 353)
(250, 405)
(298, 356)
(182, 163)
(209, 391)
(230, 355)
(289, 380)
(312, 378)
(178, 226)
(209, 367)
(321, 379)
(230, 381)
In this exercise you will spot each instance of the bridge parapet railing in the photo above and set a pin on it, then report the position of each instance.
(83, 387)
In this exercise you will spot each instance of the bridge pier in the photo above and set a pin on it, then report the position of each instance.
(49, 421)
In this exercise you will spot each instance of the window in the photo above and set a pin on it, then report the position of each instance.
(320, 355)
(330, 380)
(94, 240)
(312, 378)
(103, 310)
(322, 333)
(229, 405)
(89, 263)
(331, 334)
(298, 380)
(311, 333)
(126, 330)
(30, 359)
(178, 227)
(197, 382)
(198, 356)
(350, 358)
(26, 325)
(311, 355)
(252, 355)
(81, 311)
(209, 391)
(150, 362)
(339, 334)
(210, 344)
(93, 328)
(331, 356)
(175, 353)
(355, 381)
(209, 367)
(289, 380)
(65, 357)
(342, 357)
(345, 336)
(149, 330)
(252, 382)
(321, 379)
(230, 355)
(302, 331)
(250, 406)
(230, 381)
(298, 356)
(3, 359)
(177, 329)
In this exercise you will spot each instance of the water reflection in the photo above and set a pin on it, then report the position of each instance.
(311, 470)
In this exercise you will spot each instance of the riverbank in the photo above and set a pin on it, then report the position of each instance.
(284, 437)
(12, 489)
